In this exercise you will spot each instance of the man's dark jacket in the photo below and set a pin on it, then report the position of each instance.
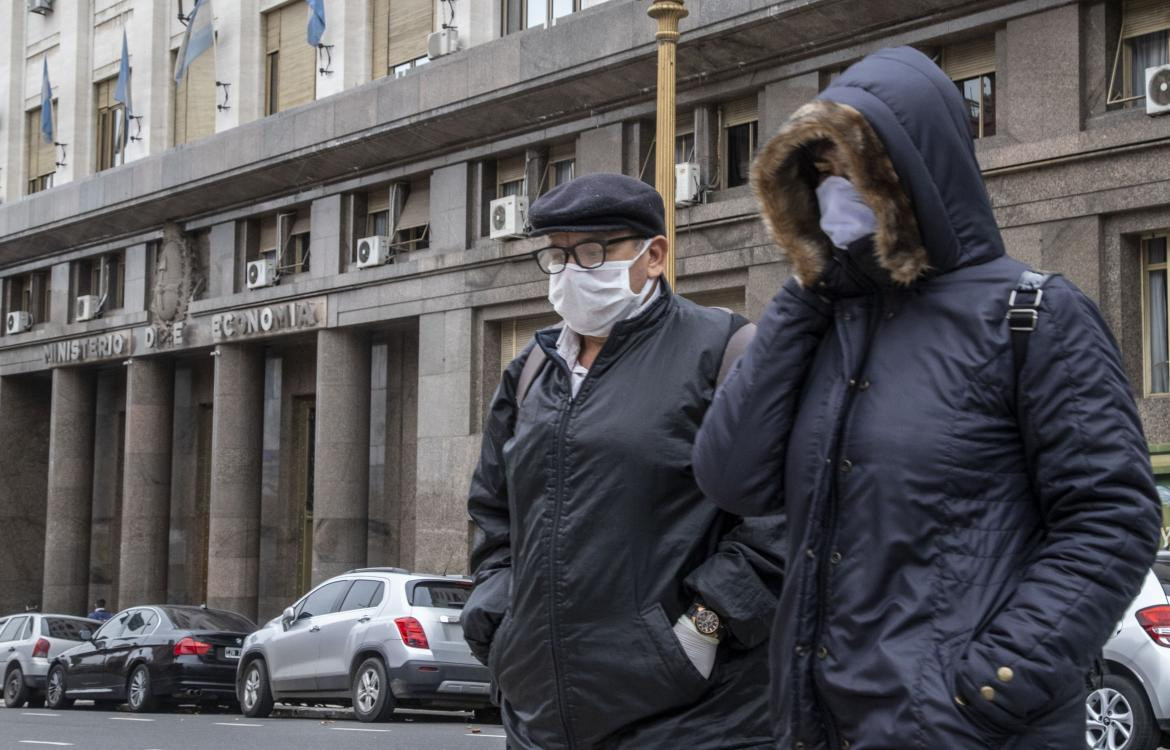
(962, 542)
(596, 539)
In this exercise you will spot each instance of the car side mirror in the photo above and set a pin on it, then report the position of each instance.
(288, 617)
(86, 635)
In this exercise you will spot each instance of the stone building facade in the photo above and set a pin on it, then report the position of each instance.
(203, 440)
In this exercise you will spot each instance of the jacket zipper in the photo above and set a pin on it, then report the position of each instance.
(829, 523)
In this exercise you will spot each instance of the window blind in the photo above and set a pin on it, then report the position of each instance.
(516, 333)
(1140, 17)
(409, 21)
(969, 59)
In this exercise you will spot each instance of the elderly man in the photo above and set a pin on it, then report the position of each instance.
(615, 605)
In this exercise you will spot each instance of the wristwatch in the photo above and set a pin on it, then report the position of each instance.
(705, 620)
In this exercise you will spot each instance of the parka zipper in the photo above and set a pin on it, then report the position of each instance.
(554, 639)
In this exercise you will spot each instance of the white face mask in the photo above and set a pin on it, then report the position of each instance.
(845, 217)
(592, 302)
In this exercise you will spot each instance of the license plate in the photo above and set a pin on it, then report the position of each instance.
(231, 653)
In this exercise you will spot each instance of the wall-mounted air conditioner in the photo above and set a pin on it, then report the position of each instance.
(43, 7)
(86, 307)
(373, 251)
(686, 183)
(442, 43)
(509, 215)
(1158, 90)
(261, 273)
(18, 322)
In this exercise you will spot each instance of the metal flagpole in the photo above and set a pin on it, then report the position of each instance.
(667, 13)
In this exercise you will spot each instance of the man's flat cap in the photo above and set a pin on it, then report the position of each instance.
(599, 203)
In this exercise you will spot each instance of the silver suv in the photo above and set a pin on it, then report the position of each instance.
(1130, 709)
(373, 638)
(28, 643)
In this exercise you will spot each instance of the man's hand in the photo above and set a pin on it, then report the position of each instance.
(700, 648)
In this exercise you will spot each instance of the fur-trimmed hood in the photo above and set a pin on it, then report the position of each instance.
(902, 139)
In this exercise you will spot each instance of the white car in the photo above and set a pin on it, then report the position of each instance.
(1131, 708)
(28, 643)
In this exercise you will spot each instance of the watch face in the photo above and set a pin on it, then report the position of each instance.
(706, 622)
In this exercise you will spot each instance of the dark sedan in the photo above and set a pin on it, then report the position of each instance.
(147, 655)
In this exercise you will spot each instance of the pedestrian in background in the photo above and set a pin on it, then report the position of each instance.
(615, 605)
(952, 436)
(99, 612)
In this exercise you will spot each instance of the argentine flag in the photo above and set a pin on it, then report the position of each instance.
(197, 40)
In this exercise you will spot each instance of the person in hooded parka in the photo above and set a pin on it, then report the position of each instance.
(970, 509)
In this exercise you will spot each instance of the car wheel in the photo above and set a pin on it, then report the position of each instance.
(372, 700)
(488, 716)
(15, 691)
(55, 689)
(139, 695)
(1118, 717)
(254, 691)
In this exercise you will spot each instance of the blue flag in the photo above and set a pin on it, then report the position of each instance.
(46, 104)
(316, 21)
(198, 38)
(122, 91)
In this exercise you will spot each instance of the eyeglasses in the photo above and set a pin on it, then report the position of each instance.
(587, 254)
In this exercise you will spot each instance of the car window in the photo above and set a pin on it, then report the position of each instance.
(363, 594)
(322, 601)
(208, 619)
(28, 630)
(139, 622)
(446, 594)
(114, 626)
(65, 628)
(1162, 571)
(11, 628)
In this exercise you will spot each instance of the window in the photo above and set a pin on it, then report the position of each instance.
(111, 140)
(11, 628)
(562, 164)
(139, 622)
(443, 594)
(412, 230)
(971, 65)
(516, 333)
(28, 630)
(290, 64)
(113, 627)
(64, 628)
(363, 595)
(285, 236)
(1154, 265)
(510, 177)
(103, 276)
(1145, 43)
(740, 134)
(29, 292)
(41, 157)
(729, 299)
(524, 14)
(323, 600)
(195, 100)
(684, 144)
(191, 618)
(400, 29)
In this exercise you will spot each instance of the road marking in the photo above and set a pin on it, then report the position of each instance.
(358, 729)
(235, 724)
(30, 713)
(45, 742)
(126, 718)
(501, 736)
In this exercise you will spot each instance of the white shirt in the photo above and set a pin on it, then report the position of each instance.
(569, 344)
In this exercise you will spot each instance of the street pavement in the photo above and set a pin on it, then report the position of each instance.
(88, 728)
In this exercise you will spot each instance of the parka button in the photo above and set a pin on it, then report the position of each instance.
(960, 701)
(889, 315)
(852, 382)
(846, 744)
(847, 316)
(810, 553)
(1005, 674)
(863, 386)
(988, 692)
(846, 466)
(835, 558)
(798, 746)
(822, 653)
(801, 649)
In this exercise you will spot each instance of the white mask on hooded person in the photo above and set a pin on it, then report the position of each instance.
(845, 217)
(593, 301)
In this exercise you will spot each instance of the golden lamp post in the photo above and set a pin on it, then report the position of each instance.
(667, 13)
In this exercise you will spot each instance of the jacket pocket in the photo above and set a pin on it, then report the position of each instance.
(499, 641)
(671, 652)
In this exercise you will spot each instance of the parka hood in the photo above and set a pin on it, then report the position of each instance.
(902, 139)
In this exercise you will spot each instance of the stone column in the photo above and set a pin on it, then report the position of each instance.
(146, 482)
(341, 470)
(67, 515)
(109, 443)
(237, 424)
(24, 443)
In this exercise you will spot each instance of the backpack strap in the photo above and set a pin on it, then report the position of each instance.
(1024, 312)
(532, 365)
(736, 346)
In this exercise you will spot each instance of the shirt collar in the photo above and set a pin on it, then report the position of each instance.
(569, 342)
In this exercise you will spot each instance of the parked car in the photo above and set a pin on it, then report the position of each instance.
(1130, 709)
(28, 642)
(144, 655)
(374, 638)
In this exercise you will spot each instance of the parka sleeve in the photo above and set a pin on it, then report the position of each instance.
(487, 504)
(739, 452)
(1091, 473)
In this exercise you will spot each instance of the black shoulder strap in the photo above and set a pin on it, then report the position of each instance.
(1024, 312)
(532, 365)
(736, 346)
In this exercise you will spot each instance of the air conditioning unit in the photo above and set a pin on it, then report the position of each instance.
(686, 183)
(261, 273)
(44, 7)
(442, 43)
(1158, 90)
(373, 251)
(18, 322)
(86, 307)
(509, 215)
